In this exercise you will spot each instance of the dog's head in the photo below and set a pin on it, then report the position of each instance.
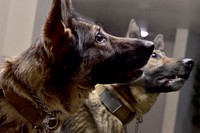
(81, 52)
(163, 73)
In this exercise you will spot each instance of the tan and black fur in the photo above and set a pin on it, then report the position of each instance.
(57, 72)
(161, 74)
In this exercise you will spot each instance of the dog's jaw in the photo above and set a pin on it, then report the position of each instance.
(172, 83)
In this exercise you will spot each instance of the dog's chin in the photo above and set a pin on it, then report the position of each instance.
(118, 77)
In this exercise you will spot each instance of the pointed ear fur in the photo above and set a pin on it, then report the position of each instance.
(133, 30)
(159, 42)
(66, 11)
(58, 20)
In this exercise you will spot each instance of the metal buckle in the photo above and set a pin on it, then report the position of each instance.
(50, 123)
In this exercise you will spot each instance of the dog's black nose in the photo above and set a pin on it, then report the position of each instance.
(188, 62)
(149, 44)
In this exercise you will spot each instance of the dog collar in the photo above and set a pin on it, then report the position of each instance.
(34, 113)
(114, 104)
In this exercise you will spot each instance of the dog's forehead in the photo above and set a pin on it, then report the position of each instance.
(88, 24)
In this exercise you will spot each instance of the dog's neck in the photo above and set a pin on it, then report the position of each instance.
(130, 100)
(121, 109)
(37, 114)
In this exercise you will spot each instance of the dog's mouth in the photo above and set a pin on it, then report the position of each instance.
(172, 83)
(121, 68)
(173, 78)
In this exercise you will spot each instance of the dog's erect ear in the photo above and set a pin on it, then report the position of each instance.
(66, 11)
(133, 30)
(159, 42)
(58, 20)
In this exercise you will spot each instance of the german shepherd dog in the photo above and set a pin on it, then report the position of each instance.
(48, 81)
(110, 107)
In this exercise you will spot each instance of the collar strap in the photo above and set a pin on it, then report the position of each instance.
(29, 111)
(114, 104)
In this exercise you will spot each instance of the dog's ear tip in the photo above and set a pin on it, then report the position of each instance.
(132, 20)
(133, 29)
(159, 37)
(133, 24)
(159, 42)
(58, 19)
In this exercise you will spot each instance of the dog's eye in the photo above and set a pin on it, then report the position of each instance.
(100, 38)
(154, 55)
